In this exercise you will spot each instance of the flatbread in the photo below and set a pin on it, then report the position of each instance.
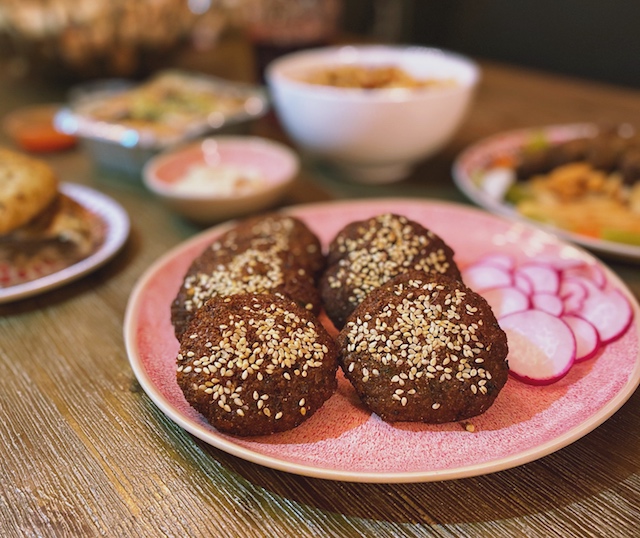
(27, 187)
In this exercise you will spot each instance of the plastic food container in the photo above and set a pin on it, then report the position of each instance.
(122, 125)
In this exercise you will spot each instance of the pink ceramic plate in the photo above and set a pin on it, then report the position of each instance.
(470, 166)
(343, 441)
(116, 230)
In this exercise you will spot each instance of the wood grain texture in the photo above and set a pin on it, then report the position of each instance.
(84, 452)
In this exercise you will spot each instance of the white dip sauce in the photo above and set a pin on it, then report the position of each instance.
(223, 181)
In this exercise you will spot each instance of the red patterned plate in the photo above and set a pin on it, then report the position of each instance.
(113, 224)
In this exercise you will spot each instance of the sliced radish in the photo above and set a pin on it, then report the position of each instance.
(572, 304)
(609, 312)
(586, 335)
(561, 264)
(572, 286)
(555, 312)
(506, 300)
(591, 272)
(589, 285)
(542, 347)
(573, 293)
(544, 277)
(484, 277)
(523, 283)
(498, 259)
(548, 302)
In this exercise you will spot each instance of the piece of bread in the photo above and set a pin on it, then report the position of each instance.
(64, 222)
(27, 187)
(61, 235)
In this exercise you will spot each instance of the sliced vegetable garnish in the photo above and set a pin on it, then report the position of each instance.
(587, 339)
(555, 312)
(542, 347)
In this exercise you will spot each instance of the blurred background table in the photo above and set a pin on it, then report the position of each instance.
(85, 452)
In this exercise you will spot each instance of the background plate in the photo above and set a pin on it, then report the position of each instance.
(470, 164)
(343, 441)
(117, 225)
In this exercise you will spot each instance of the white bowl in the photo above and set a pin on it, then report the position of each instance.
(275, 164)
(376, 135)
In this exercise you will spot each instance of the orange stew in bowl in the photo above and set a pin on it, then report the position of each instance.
(383, 77)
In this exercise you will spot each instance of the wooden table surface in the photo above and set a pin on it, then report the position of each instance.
(85, 452)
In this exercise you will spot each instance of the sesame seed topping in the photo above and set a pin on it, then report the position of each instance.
(257, 269)
(273, 341)
(387, 245)
(421, 340)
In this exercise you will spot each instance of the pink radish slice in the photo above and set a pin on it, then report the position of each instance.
(484, 277)
(523, 283)
(572, 304)
(504, 261)
(506, 300)
(587, 339)
(588, 285)
(572, 289)
(561, 264)
(545, 278)
(573, 293)
(542, 347)
(609, 312)
(594, 273)
(548, 302)
(569, 286)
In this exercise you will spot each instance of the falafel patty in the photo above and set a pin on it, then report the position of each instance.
(273, 253)
(424, 348)
(256, 364)
(366, 254)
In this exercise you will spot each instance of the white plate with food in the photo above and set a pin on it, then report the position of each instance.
(344, 441)
(89, 228)
(579, 181)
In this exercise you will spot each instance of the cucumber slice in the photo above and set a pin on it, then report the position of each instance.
(622, 236)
